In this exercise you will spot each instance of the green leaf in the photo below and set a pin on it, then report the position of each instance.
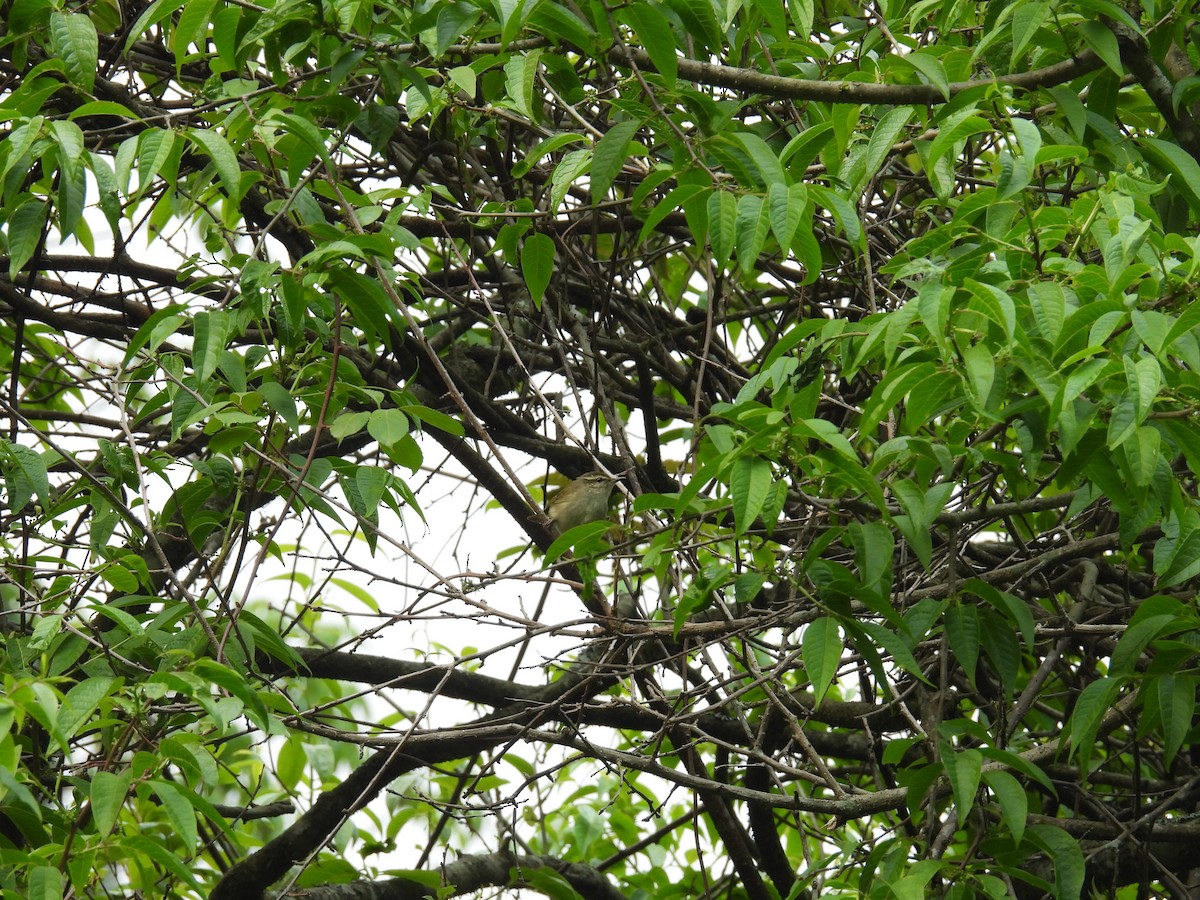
(1069, 870)
(25, 227)
(211, 335)
(139, 847)
(1093, 702)
(1124, 418)
(369, 305)
(520, 73)
(237, 686)
(752, 227)
(191, 28)
(722, 226)
(224, 159)
(307, 132)
(1002, 649)
(1144, 454)
(179, 813)
(580, 535)
(1048, 300)
(874, 547)
(803, 148)
(897, 382)
(807, 250)
(1179, 164)
(73, 39)
(677, 198)
(349, 423)
(1184, 562)
(161, 325)
(1175, 697)
(1103, 43)
(108, 794)
(281, 402)
(769, 169)
(102, 107)
(436, 419)
(569, 168)
(1136, 638)
(964, 635)
(1014, 802)
(1012, 608)
(26, 475)
(266, 639)
(547, 881)
(845, 213)
(1148, 379)
(378, 123)
(656, 37)
(370, 483)
(822, 647)
(1027, 19)
(45, 883)
(1016, 165)
(463, 78)
(1152, 327)
(71, 193)
(119, 576)
(895, 645)
(749, 483)
(545, 148)
(931, 68)
(453, 21)
(388, 426)
(787, 203)
(106, 184)
(803, 13)
(747, 587)
(80, 704)
(508, 13)
(154, 13)
(562, 26)
(19, 142)
(610, 154)
(537, 265)
(993, 303)
(980, 373)
(155, 146)
(879, 145)
(945, 148)
(700, 19)
(963, 770)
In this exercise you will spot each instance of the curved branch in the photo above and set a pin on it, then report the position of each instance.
(250, 877)
(468, 874)
(1135, 53)
(783, 88)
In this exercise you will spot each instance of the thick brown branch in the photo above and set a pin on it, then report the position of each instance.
(1136, 54)
(472, 873)
(783, 88)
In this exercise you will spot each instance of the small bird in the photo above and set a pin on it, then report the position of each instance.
(581, 501)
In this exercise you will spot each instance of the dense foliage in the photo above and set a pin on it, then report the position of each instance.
(882, 313)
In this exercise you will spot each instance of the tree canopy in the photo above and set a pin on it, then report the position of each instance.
(881, 313)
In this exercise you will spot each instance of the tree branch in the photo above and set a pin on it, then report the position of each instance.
(784, 88)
